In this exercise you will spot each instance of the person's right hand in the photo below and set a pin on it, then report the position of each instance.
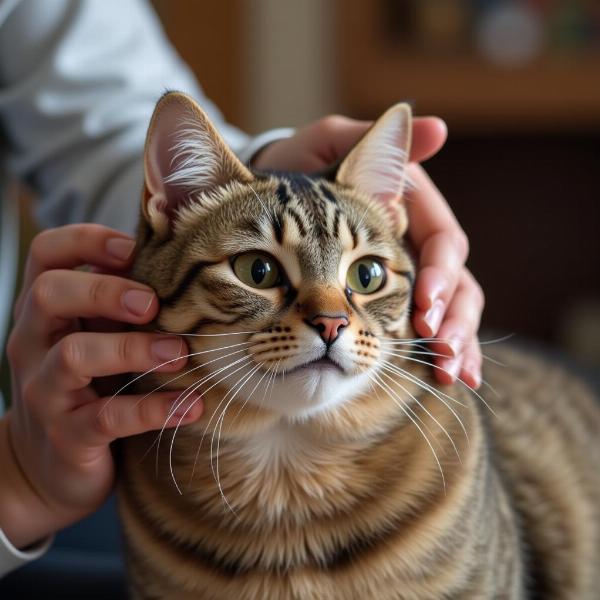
(55, 458)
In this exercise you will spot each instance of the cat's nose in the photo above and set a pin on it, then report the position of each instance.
(329, 328)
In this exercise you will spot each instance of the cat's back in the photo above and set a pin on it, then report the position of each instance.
(544, 441)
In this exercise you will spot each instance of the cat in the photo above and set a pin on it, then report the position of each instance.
(328, 464)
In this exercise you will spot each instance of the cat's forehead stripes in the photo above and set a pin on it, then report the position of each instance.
(314, 228)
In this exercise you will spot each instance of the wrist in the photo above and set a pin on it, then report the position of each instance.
(24, 517)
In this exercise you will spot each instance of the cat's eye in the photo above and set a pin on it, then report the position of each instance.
(257, 269)
(365, 276)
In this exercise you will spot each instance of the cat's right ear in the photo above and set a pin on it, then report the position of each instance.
(184, 156)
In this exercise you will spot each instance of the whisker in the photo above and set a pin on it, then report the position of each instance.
(448, 373)
(428, 413)
(206, 334)
(237, 415)
(196, 368)
(428, 388)
(267, 211)
(185, 394)
(423, 384)
(137, 378)
(427, 352)
(220, 429)
(185, 413)
(439, 339)
(250, 395)
(399, 403)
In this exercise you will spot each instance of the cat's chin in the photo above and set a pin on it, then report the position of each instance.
(312, 388)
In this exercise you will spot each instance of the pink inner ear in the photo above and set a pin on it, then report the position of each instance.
(159, 159)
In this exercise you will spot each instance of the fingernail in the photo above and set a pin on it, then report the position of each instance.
(137, 301)
(455, 343)
(433, 317)
(437, 287)
(474, 373)
(167, 348)
(121, 248)
(452, 368)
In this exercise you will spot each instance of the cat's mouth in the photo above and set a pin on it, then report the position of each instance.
(322, 364)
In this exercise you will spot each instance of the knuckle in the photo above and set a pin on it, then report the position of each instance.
(476, 291)
(461, 241)
(29, 392)
(42, 290)
(332, 123)
(56, 437)
(126, 348)
(39, 246)
(105, 422)
(14, 349)
(146, 415)
(81, 233)
(98, 290)
(479, 295)
(70, 354)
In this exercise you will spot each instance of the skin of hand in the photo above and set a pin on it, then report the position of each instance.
(448, 301)
(55, 455)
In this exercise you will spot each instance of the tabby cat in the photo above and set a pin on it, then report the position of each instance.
(327, 463)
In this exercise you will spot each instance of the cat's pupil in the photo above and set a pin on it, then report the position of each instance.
(259, 270)
(364, 274)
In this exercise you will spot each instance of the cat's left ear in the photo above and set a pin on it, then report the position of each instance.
(377, 164)
(184, 156)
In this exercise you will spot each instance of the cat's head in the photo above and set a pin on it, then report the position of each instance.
(290, 284)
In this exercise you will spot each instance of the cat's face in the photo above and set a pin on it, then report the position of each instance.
(290, 283)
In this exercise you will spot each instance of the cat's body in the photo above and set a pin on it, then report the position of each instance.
(327, 463)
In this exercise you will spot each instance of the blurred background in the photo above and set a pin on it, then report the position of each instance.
(518, 83)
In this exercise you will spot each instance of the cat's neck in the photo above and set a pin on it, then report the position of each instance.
(296, 495)
(264, 462)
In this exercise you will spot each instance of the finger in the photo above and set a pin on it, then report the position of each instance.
(467, 366)
(101, 422)
(447, 369)
(462, 318)
(341, 135)
(429, 135)
(59, 295)
(471, 367)
(75, 245)
(429, 213)
(76, 359)
(441, 265)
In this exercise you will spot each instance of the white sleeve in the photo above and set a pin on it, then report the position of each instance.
(11, 558)
(78, 83)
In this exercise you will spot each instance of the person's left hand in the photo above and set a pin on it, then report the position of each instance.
(448, 300)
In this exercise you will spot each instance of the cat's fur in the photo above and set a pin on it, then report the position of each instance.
(356, 482)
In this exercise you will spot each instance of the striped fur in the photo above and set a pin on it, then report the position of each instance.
(355, 482)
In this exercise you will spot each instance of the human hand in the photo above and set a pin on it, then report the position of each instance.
(448, 300)
(55, 458)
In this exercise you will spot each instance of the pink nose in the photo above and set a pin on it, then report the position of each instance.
(329, 327)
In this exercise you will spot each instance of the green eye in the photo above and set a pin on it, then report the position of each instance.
(365, 276)
(257, 269)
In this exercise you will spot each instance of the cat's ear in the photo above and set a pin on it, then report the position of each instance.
(183, 157)
(377, 164)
